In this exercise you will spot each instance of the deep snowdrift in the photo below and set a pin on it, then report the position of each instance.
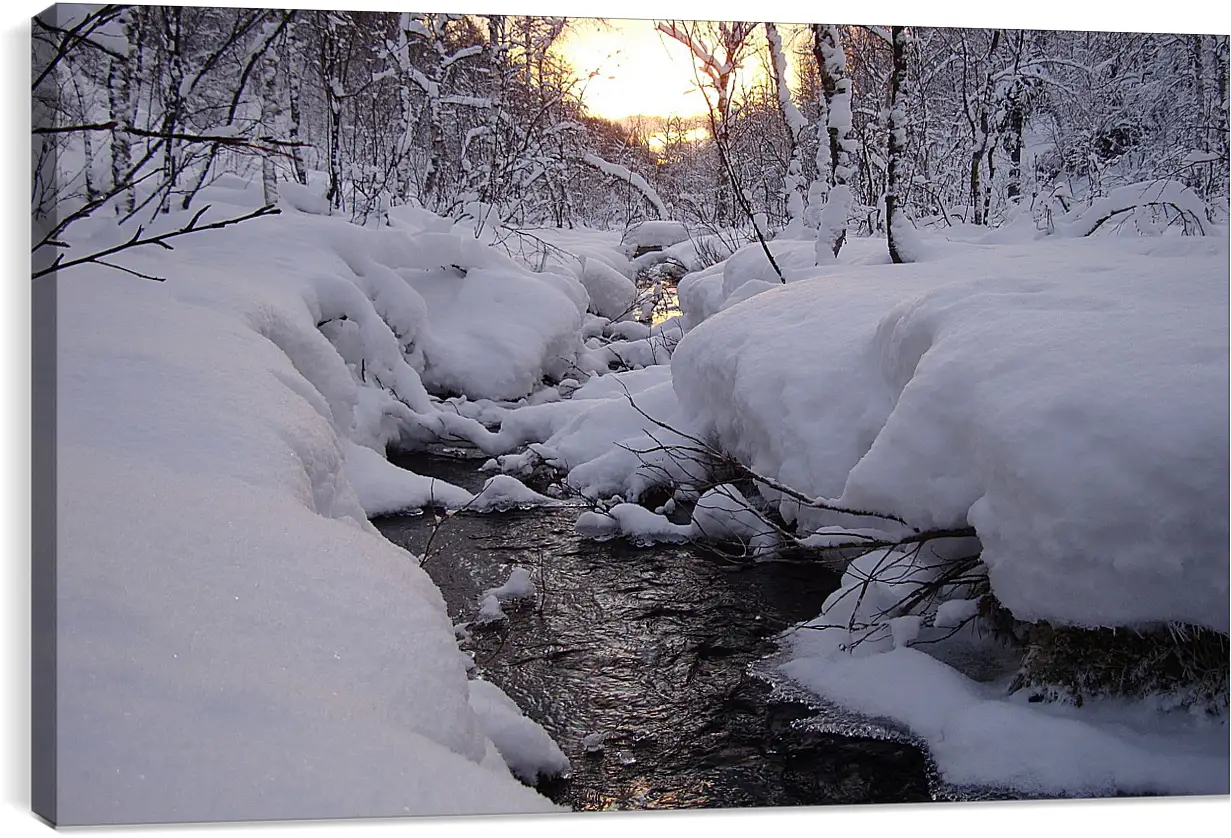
(1066, 398)
(236, 640)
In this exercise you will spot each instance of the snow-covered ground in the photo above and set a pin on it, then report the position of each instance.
(1065, 398)
(237, 641)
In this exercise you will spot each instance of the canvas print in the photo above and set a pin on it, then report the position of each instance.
(453, 414)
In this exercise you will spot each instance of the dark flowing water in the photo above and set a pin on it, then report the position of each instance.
(649, 649)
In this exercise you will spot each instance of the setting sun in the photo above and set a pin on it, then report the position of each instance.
(628, 68)
(631, 69)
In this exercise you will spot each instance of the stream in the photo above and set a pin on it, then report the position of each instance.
(652, 651)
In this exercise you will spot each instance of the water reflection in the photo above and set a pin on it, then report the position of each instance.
(636, 661)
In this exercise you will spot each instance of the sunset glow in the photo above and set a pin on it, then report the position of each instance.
(628, 68)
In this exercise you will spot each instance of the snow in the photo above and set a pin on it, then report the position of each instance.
(518, 586)
(629, 330)
(220, 456)
(976, 737)
(611, 293)
(1168, 193)
(1066, 399)
(1054, 398)
(655, 234)
(236, 640)
(524, 745)
(607, 436)
(954, 612)
(723, 514)
(630, 177)
(385, 489)
(636, 523)
(704, 293)
(495, 332)
(490, 610)
(504, 492)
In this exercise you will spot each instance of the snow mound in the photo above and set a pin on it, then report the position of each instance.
(636, 523)
(227, 614)
(385, 489)
(629, 330)
(611, 293)
(496, 332)
(1137, 200)
(723, 514)
(503, 492)
(519, 585)
(527, 749)
(977, 737)
(607, 437)
(1057, 398)
(655, 234)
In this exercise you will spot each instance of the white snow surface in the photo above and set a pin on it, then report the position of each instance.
(723, 514)
(611, 293)
(384, 489)
(606, 436)
(655, 234)
(503, 492)
(519, 585)
(525, 746)
(1066, 398)
(977, 737)
(636, 523)
(236, 641)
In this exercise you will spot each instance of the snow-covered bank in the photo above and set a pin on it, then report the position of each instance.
(236, 641)
(1066, 399)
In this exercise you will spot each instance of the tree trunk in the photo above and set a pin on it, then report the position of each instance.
(294, 66)
(172, 102)
(795, 122)
(1221, 49)
(120, 90)
(722, 136)
(842, 146)
(895, 198)
(436, 152)
(270, 113)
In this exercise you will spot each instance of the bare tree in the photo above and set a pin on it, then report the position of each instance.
(895, 197)
(839, 145)
(792, 185)
(78, 51)
(718, 50)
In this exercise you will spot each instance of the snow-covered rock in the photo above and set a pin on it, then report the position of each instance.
(385, 489)
(611, 293)
(655, 234)
(723, 514)
(504, 492)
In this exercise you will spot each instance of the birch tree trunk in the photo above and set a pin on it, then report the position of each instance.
(842, 145)
(895, 198)
(793, 182)
(271, 114)
(294, 66)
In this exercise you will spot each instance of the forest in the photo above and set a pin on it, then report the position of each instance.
(451, 111)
